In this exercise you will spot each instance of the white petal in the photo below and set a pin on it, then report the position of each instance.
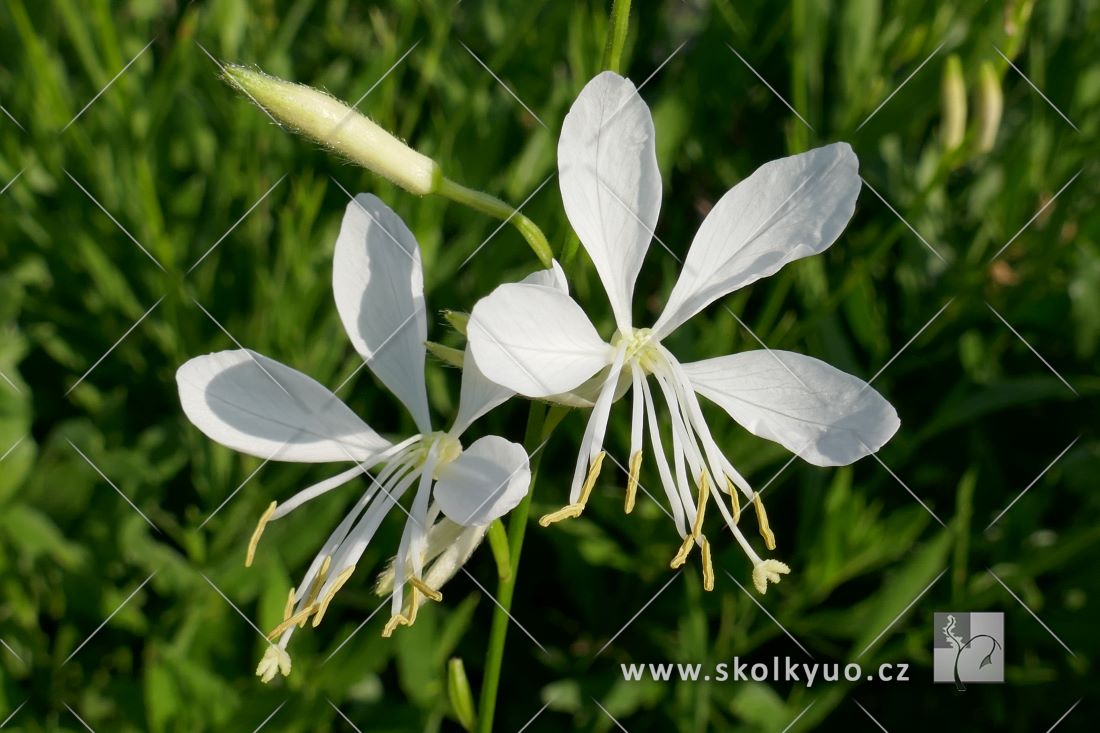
(488, 480)
(789, 208)
(479, 395)
(824, 415)
(534, 340)
(258, 406)
(553, 277)
(610, 184)
(379, 287)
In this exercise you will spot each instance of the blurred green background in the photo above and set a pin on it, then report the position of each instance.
(176, 158)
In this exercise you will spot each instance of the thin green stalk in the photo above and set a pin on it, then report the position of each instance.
(616, 35)
(517, 528)
(494, 207)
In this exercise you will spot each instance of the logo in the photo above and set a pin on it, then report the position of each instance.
(968, 647)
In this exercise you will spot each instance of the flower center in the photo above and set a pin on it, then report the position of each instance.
(449, 448)
(641, 347)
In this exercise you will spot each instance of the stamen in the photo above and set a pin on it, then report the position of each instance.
(256, 534)
(663, 470)
(289, 622)
(701, 504)
(322, 576)
(395, 621)
(414, 605)
(590, 480)
(708, 567)
(735, 500)
(289, 605)
(632, 480)
(337, 584)
(426, 589)
(682, 553)
(762, 520)
(571, 511)
(418, 587)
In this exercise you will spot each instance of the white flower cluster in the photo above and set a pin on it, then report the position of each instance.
(531, 338)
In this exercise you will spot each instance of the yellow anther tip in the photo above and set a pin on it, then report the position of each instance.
(762, 521)
(735, 501)
(566, 512)
(682, 554)
(319, 580)
(289, 609)
(426, 589)
(257, 533)
(337, 584)
(590, 479)
(395, 621)
(290, 621)
(632, 481)
(708, 567)
(701, 506)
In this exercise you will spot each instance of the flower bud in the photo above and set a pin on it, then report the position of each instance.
(458, 320)
(990, 106)
(446, 354)
(338, 127)
(458, 691)
(953, 94)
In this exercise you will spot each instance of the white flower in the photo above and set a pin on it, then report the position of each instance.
(538, 342)
(259, 406)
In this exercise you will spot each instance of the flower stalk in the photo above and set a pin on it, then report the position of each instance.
(616, 35)
(538, 430)
(494, 207)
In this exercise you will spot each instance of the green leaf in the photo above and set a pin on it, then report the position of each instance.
(897, 596)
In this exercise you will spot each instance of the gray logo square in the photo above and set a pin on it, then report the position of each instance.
(968, 647)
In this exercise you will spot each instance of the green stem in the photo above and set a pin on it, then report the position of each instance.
(616, 35)
(517, 528)
(494, 207)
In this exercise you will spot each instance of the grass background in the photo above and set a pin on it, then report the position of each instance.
(176, 158)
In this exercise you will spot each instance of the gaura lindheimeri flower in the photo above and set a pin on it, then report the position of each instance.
(258, 406)
(538, 342)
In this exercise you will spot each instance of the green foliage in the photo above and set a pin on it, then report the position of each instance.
(179, 160)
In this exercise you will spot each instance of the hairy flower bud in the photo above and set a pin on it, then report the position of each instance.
(953, 94)
(338, 127)
(990, 106)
